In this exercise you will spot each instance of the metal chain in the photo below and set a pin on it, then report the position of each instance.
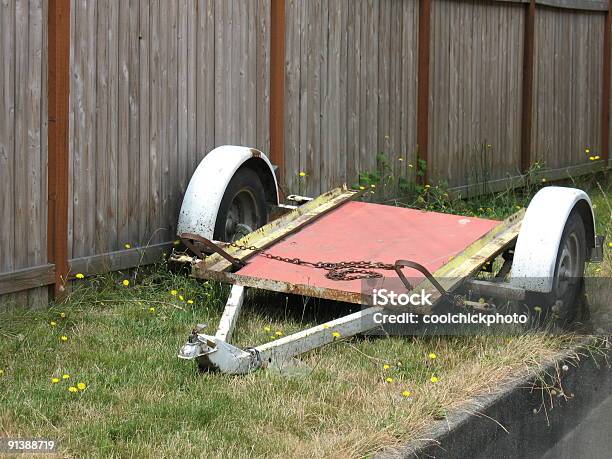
(339, 271)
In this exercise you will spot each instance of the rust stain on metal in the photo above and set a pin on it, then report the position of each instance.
(279, 286)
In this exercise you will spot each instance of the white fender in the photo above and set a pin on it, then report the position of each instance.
(535, 255)
(207, 186)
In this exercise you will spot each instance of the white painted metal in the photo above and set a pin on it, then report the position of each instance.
(533, 265)
(207, 186)
(231, 313)
(215, 353)
(280, 351)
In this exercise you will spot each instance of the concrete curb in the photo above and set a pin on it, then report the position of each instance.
(523, 420)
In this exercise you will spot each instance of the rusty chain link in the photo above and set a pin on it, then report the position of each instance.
(339, 271)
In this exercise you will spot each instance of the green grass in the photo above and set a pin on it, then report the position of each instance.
(142, 401)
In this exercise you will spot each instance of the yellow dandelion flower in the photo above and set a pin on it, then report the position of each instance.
(176, 242)
(591, 158)
(272, 337)
(362, 187)
(189, 301)
(173, 292)
(63, 338)
(386, 366)
(63, 315)
(410, 165)
(1, 372)
(389, 380)
(519, 207)
(596, 157)
(125, 282)
(73, 389)
(400, 159)
(55, 380)
(151, 310)
(267, 329)
(302, 174)
(432, 355)
(279, 333)
(372, 186)
(481, 300)
(80, 276)
(127, 246)
(587, 151)
(543, 180)
(597, 270)
(181, 297)
(609, 244)
(406, 393)
(326, 326)
(537, 309)
(594, 206)
(336, 334)
(65, 376)
(488, 145)
(386, 136)
(53, 323)
(81, 386)
(434, 379)
(427, 186)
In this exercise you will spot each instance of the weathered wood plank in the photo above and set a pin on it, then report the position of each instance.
(111, 223)
(123, 161)
(26, 279)
(119, 260)
(145, 117)
(7, 137)
(262, 78)
(134, 171)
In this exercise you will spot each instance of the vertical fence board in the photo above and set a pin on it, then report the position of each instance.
(23, 142)
(7, 140)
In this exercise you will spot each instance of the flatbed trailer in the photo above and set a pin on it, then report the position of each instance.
(327, 246)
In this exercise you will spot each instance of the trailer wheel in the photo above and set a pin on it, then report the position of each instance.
(563, 303)
(243, 207)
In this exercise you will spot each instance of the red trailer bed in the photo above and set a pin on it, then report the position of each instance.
(371, 232)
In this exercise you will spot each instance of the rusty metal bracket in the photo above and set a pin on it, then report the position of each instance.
(189, 239)
(399, 264)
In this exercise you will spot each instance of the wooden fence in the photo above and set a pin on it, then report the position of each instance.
(477, 88)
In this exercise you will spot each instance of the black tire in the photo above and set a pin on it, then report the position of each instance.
(563, 304)
(243, 207)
